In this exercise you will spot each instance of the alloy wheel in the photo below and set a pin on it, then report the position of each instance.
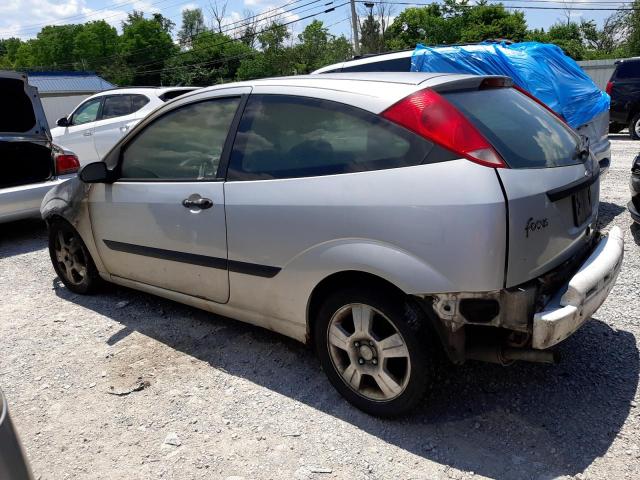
(70, 257)
(368, 352)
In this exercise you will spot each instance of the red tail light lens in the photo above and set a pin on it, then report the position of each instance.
(66, 164)
(609, 87)
(431, 116)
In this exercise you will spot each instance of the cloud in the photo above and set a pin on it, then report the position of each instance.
(189, 6)
(25, 18)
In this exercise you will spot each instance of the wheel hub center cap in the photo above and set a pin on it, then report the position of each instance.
(366, 352)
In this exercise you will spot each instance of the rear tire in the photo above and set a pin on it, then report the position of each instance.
(616, 127)
(374, 347)
(71, 258)
(634, 127)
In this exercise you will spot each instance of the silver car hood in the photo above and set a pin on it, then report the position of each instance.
(40, 129)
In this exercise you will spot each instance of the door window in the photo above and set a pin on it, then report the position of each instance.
(184, 144)
(87, 112)
(286, 136)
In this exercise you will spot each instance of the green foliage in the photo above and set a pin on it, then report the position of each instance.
(317, 48)
(192, 26)
(370, 36)
(145, 44)
(145, 52)
(95, 45)
(426, 25)
(213, 58)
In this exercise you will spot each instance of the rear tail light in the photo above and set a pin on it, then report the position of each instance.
(539, 102)
(66, 164)
(431, 116)
(609, 88)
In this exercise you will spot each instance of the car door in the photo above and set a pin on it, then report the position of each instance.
(162, 222)
(117, 117)
(78, 135)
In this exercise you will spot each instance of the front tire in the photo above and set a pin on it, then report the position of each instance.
(71, 258)
(634, 127)
(374, 347)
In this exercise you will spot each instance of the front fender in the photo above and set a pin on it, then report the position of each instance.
(69, 201)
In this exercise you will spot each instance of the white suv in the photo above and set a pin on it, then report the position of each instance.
(102, 119)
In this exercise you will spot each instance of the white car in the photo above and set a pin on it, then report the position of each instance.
(102, 119)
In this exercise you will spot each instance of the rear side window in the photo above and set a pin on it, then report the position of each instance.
(286, 136)
(120, 105)
(184, 144)
(171, 94)
(116, 106)
(628, 70)
(392, 65)
(137, 102)
(523, 132)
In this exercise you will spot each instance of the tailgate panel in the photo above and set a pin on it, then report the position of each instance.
(542, 232)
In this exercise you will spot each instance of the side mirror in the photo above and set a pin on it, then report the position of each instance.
(95, 172)
(63, 122)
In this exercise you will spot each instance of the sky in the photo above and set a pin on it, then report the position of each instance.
(24, 18)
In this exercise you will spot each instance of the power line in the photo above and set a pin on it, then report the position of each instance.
(226, 59)
(517, 7)
(143, 49)
(230, 40)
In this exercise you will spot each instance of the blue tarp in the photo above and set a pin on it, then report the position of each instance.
(540, 68)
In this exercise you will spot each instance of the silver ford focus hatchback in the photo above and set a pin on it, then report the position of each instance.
(379, 217)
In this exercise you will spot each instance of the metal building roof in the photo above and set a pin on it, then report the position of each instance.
(68, 82)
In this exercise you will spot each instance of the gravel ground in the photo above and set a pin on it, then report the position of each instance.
(127, 385)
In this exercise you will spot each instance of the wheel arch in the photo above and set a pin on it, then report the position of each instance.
(338, 280)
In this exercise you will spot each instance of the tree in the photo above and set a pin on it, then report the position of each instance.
(54, 46)
(95, 45)
(213, 58)
(219, 13)
(273, 59)
(567, 37)
(145, 45)
(192, 26)
(370, 35)
(491, 22)
(632, 25)
(425, 25)
(317, 48)
(8, 48)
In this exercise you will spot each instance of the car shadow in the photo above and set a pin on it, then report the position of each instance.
(607, 212)
(525, 421)
(22, 236)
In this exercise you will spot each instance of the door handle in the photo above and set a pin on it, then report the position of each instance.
(124, 128)
(196, 201)
(87, 134)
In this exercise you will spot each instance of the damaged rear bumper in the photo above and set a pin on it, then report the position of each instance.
(582, 295)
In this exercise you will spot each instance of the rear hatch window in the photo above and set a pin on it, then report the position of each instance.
(524, 133)
(551, 189)
(14, 100)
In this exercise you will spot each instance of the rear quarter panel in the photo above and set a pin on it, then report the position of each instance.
(427, 229)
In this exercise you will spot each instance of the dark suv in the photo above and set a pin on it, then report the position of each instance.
(624, 89)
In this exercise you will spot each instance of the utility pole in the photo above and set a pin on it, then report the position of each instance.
(354, 24)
